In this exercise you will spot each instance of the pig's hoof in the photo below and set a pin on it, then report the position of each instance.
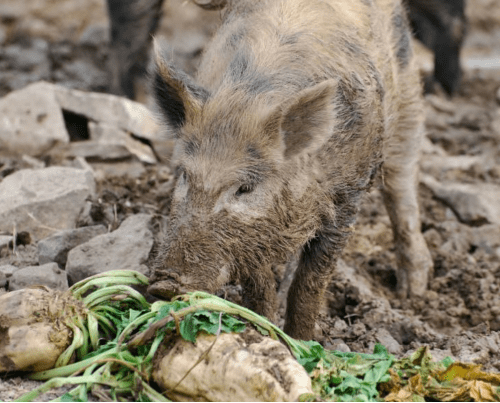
(414, 278)
(165, 289)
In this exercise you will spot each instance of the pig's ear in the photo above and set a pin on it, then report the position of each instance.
(307, 122)
(177, 97)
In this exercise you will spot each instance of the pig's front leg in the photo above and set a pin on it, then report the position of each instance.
(316, 266)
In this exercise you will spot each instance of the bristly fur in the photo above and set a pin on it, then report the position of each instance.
(296, 105)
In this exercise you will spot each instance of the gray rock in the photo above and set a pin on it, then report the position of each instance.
(8, 270)
(95, 35)
(486, 237)
(86, 73)
(56, 247)
(474, 204)
(3, 280)
(386, 339)
(44, 201)
(94, 151)
(31, 121)
(106, 135)
(48, 275)
(111, 109)
(127, 248)
(5, 240)
(440, 163)
(131, 169)
(26, 59)
(498, 95)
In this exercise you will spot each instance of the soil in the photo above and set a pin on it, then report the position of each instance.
(460, 313)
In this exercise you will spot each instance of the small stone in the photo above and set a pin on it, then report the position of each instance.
(56, 247)
(386, 339)
(48, 275)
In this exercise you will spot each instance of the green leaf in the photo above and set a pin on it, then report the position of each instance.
(447, 361)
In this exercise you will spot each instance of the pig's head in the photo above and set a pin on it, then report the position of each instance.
(246, 194)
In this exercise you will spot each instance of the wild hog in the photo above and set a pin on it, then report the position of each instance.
(441, 25)
(296, 106)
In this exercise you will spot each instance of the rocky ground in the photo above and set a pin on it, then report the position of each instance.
(85, 184)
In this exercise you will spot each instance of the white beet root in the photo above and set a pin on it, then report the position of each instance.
(33, 333)
(239, 367)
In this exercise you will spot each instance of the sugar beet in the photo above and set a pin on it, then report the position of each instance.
(296, 107)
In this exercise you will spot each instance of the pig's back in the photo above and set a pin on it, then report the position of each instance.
(283, 46)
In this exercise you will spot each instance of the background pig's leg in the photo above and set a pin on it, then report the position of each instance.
(400, 184)
(132, 24)
(259, 293)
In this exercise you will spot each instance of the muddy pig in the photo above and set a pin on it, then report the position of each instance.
(441, 26)
(132, 22)
(296, 106)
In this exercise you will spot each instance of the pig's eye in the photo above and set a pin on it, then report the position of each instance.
(243, 189)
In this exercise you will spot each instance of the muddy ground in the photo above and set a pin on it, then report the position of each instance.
(66, 42)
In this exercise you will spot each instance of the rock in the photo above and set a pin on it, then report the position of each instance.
(94, 151)
(486, 237)
(8, 270)
(27, 59)
(106, 134)
(95, 35)
(131, 169)
(56, 247)
(48, 275)
(498, 95)
(440, 163)
(5, 240)
(3, 280)
(428, 147)
(474, 204)
(235, 368)
(86, 73)
(127, 248)
(31, 120)
(44, 201)
(116, 111)
(386, 339)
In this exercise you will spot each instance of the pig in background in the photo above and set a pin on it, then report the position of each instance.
(295, 108)
(438, 24)
(441, 26)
